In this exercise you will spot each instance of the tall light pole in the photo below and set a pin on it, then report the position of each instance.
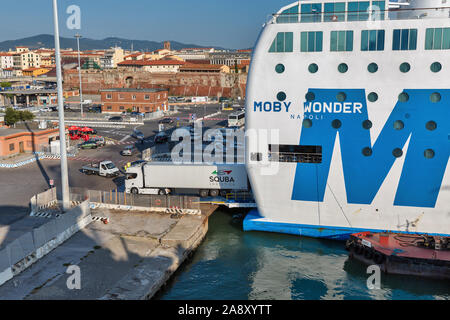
(79, 72)
(62, 127)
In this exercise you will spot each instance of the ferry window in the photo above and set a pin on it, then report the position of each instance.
(404, 39)
(431, 125)
(358, 11)
(372, 68)
(283, 42)
(334, 11)
(372, 40)
(307, 123)
(398, 125)
(435, 97)
(397, 152)
(311, 12)
(372, 97)
(436, 67)
(429, 153)
(311, 41)
(343, 68)
(279, 68)
(281, 96)
(289, 15)
(437, 38)
(313, 68)
(367, 124)
(341, 41)
(403, 97)
(367, 151)
(310, 96)
(295, 153)
(336, 123)
(405, 67)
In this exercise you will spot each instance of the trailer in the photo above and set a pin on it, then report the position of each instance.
(205, 179)
(104, 169)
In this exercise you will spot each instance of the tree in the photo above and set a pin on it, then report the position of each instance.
(13, 116)
(5, 84)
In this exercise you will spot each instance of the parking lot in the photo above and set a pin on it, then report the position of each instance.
(20, 184)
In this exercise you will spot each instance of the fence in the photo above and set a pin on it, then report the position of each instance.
(115, 197)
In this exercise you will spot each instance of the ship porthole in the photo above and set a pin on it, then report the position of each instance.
(279, 68)
(372, 97)
(403, 97)
(343, 68)
(405, 67)
(310, 96)
(435, 97)
(307, 123)
(436, 67)
(367, 124)
(372, 68)
(397, 152)
(429, 154)
(281, 96)
(431, 125)
(313, 68)
(399, 125)
(341, 96)
(336, 124)
(367, 151)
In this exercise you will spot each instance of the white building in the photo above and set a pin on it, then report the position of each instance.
(6, 60)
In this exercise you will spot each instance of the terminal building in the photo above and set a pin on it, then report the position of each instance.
(118, 100)
(14, 141)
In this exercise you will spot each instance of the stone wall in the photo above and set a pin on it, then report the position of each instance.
(179, 84)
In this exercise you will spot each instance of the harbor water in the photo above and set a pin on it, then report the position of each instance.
(233, 264)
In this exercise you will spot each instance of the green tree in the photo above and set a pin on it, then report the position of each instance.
(13, 116)
(5, 84)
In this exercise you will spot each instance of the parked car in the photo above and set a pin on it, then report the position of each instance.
(138, 135)
(116, 119)
(166, 121)
(100, 141)
(161, 137)
(135, 113)
(127, 151)
(88, 145)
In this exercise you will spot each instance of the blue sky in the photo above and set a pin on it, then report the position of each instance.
(226, 23)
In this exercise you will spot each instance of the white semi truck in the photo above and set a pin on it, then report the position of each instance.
(165, 177)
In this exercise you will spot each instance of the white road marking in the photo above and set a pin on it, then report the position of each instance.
(125, 138)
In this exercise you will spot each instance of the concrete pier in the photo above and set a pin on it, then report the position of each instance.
(130, 257)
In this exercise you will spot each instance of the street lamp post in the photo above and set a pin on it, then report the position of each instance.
(79, 72)
(62, 127)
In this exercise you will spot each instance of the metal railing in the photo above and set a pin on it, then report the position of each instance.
(295, 157)
(354, 16)
(115, 197)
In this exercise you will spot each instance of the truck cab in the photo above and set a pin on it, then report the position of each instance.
(104, 169)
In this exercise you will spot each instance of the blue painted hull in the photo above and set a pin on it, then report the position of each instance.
(254, 222)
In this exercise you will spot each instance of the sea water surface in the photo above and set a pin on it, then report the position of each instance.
(233, 264)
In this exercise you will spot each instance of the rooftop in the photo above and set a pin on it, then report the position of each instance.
(4, 132)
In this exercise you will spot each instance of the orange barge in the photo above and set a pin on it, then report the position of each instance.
(397, 253)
